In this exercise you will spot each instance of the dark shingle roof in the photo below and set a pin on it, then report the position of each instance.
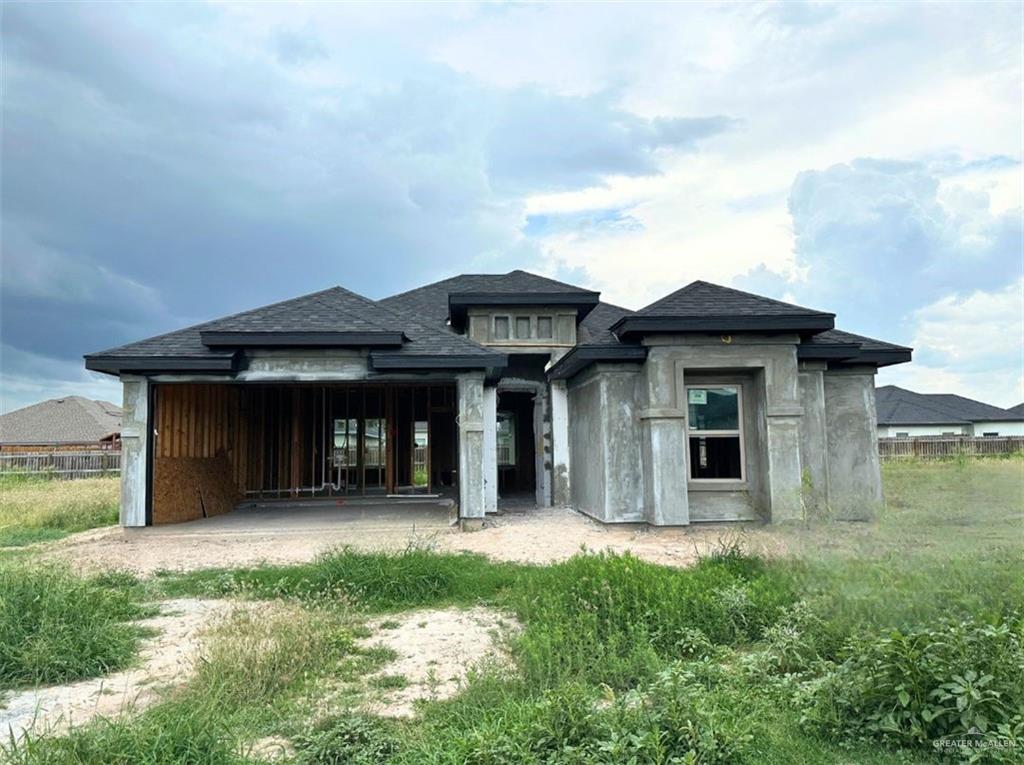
(1019, 409)
(701, 298)
(334, 309)
(705, 307)
(69, 420)
(430, 302)
(836, 345)
(898, 406)
(595, 329)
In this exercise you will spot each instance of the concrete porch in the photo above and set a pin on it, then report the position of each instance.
(334, 517)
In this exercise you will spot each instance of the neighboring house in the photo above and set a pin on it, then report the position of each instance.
(905, 414)
(709, 404)
(66, 423)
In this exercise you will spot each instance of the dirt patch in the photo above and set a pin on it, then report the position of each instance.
(535, 536)
(435, 649)
(165, 659)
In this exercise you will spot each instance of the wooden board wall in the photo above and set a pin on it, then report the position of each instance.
(198, 434)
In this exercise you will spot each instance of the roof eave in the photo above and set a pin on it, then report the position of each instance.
(115, 365)
(300, 339)
(582, 356)
(811, 323)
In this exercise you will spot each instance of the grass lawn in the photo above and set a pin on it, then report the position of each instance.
(37, 509)
(869, 643)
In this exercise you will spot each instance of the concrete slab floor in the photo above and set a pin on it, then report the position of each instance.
(305, 518)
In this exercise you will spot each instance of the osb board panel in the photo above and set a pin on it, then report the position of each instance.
(184, 486)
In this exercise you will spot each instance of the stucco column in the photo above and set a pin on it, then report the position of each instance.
(663, 442)
(470, 389)
(782, 427)
(542, 447)
(561, 490)
(855, 477)
(813, 440)
(134, 446)
(490, 417)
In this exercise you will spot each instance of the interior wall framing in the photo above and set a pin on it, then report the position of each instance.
(219, 443)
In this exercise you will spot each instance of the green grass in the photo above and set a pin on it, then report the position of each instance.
(856, 648)
(56, 627)
(38, 509)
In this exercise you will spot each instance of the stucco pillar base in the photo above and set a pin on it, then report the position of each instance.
(560, 482)
(471, 524)
(666, 502)
(470, 388)
(784, 478)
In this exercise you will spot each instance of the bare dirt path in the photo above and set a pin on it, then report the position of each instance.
(434, 648)
(165, 659)
(535, 536)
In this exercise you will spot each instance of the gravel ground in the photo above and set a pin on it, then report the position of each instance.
(534, 536)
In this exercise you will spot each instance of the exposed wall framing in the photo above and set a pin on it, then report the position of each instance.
(218, 443)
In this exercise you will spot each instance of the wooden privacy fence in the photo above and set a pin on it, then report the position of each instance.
(61, 464)
(937, 447)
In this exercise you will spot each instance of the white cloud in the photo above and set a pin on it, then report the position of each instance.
(972, 345)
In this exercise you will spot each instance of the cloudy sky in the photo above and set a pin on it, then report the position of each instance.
(164, 164)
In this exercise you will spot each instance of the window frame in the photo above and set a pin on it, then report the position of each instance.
(513, 450)
(494, 327)
(738, 433)
(551, 323)
(529, 327)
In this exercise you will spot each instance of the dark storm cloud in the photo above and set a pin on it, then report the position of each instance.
(161, 169)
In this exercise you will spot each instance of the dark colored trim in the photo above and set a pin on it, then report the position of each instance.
(583, 302)
(299, 339)
(630, 326)
(827, 351)
(114, 365)
(150, 410)
(582, 356)
(882, 357)
(437, 361)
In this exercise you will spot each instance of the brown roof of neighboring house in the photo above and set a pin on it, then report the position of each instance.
(68, 420)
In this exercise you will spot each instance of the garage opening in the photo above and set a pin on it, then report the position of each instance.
(218, 444)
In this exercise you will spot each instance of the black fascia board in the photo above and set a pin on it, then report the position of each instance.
(438, 360)
(115, 365)
(827, 351)
(458, 302)
(273, 339)
(631, 326)
(882, 357)
(582, 356)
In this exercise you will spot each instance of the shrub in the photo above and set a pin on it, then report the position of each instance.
(925, 684)
(346, 740)
(56, 627)
(376, 581)
(181, 733)
(614, 619)
(674, 718)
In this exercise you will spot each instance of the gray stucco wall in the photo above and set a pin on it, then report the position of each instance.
(813, 439)
(809, 435)
(134, 445)
(855, 478)
(605, 444)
